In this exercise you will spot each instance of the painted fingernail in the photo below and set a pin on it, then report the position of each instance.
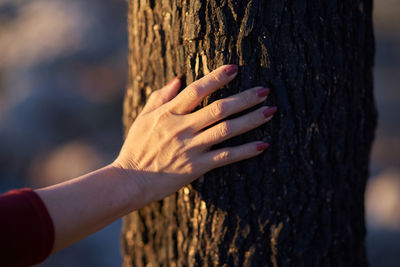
(263, 92)
(262, 146)
(231, 69)
(269, 111)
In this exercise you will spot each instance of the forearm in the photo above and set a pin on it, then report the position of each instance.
(86, 204)
(168, 146)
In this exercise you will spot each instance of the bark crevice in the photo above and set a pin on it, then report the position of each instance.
(301, 202)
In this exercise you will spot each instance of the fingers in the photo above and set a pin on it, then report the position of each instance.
(171, 89)
(192, 95)
(223, 108)
(162, 96)
(225, 156)
(230, 128)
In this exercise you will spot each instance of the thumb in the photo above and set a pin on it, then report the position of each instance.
(162, 96)
(170, 90)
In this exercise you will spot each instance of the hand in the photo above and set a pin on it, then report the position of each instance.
(168, 147)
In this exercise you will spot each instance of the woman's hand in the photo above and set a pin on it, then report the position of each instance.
(168, 147)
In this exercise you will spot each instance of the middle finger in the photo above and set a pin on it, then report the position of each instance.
(223, 108)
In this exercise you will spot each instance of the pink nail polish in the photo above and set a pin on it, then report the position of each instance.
(269, 111)
(231, 69)
(262, 146)
(263, 92)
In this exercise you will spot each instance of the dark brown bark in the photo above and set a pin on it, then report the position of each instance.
(301, 203)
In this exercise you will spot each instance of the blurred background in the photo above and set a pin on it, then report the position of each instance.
(63, 70)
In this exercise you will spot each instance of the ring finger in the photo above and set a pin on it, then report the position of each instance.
(230, 128)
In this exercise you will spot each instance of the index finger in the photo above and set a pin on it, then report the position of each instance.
(194, 93)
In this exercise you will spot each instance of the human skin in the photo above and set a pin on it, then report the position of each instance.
(167, 147)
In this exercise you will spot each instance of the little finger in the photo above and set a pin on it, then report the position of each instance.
(225, 156)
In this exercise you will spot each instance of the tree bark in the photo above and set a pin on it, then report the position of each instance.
(300, 203)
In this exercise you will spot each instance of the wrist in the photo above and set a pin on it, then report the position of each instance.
(131, 186)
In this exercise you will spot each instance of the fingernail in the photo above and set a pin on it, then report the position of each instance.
(269, 111)
(263, 92)
(262, 146)
(231, 69)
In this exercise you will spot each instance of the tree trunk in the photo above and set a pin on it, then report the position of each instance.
(300, 203)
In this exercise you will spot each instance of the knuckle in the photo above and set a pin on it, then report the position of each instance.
(247, 98)
(217, 77)
(257, 119)
(217, 109)
(193, 91)
(162, 115)
(225, 156)
(190, 167)
(224, 129)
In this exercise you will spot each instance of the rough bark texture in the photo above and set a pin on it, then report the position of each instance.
(301, 203)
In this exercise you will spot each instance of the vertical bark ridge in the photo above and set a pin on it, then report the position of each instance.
(301, 203)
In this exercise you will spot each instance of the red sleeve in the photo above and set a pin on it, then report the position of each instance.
(26, 229)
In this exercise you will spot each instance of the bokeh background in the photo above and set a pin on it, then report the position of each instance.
(63, 69)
